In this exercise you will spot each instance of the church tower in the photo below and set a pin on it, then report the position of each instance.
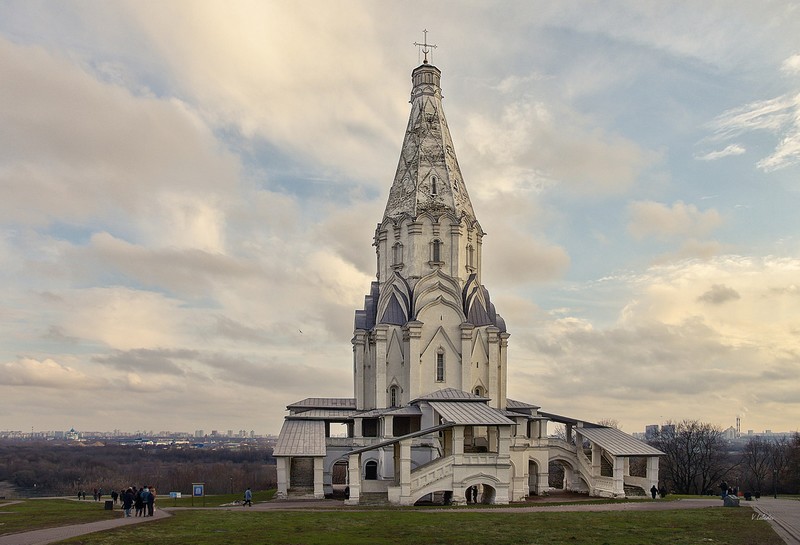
(428, 323)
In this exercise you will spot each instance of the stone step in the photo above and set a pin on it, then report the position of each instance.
(373, 498)
(634, 491)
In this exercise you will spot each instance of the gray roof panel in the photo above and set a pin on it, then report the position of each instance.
(324, 403)
(617, 442)
(323, 414)
(451, 394)
(470, 414)
(301, 438)
(513, 404)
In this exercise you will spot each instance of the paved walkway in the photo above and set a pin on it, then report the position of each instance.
(52, 535)
(784, 515)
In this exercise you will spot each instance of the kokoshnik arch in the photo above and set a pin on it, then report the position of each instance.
(430, 357)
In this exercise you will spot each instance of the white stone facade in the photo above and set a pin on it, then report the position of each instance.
(430, 416)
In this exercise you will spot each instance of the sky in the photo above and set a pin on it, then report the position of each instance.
(189, 190)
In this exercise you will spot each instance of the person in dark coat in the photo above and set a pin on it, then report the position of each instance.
(138, 504)
(151, 501)
(653, 491)
(127, 501)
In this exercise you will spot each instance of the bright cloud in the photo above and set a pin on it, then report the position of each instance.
(780, 116)
(655, 219)
(733, 149)
(189, 195)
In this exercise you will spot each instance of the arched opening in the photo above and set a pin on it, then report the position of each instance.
(564, 478)
(480, 493)
(371, 471)
(339, 478)
(556, 473)
(440, 497)
(533, 478)
(394, 396)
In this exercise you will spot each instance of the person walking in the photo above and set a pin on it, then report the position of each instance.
(653, 491)
(127, 501)
(137, 502)
(145, 499)
(248, 497)
(151, 501)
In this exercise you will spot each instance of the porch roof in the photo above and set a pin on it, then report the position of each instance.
(301, 438)
(617, 442)
(469, 413)
(323, 414)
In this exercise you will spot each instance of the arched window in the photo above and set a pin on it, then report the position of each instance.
(393, 396)
(371, 471)
(470, 256)
(433, 186)
(397, 254)
(478, 391)
(440, 366)
(436, 250)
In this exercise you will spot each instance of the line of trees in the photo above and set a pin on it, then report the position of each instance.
(698, 458)
(52, 469)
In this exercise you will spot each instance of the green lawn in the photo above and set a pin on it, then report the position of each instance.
(35, 514)
(212, 501)
(679, 527)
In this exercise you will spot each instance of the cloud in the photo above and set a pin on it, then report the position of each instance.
(791, 65)
(47, 373)
(676, 346)
(779, 116)
(250, 70)
(189, 271)
(719, 294)
(109, 153)
(531, 144)
(655, 219)
(733, 149)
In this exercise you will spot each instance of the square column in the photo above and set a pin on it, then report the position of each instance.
(503, 441)
(458, 444)
(412, 335)
(319, 490)
(652, 471)
(466, 360)
(619, 475)
(388, 426)
(354, 479)
(596, 459)
(405, 472)
(493, 336)
(491, 431)
(381, 336)
(357, 427)
(282, 463)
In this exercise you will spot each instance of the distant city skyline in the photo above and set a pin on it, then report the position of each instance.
(189, 193)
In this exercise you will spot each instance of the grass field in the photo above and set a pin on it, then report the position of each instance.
(690, 527)
(35, 514)
(395, 526)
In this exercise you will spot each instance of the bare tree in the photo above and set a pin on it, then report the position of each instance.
(609, 423)
(757, 462)
(695, 456)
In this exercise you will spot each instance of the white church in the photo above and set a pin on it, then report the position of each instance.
(429, 418)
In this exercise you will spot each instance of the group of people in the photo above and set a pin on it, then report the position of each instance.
(142, 501)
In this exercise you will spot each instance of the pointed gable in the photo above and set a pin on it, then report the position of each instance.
(394, 313)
